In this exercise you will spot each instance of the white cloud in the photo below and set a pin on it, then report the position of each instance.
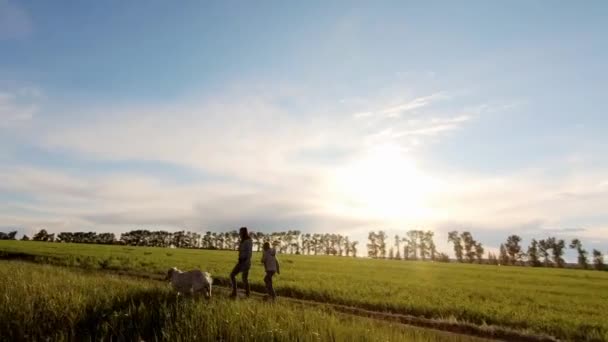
(250, 142)
(255, 146)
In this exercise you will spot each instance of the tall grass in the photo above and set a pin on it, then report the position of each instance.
(43, 302)
(568, 304)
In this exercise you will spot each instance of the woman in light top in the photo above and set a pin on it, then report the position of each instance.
(271, 266)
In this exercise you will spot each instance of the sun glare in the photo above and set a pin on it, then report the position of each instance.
(383, 183)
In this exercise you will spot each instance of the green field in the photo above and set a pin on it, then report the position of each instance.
(564, 303)
(44, 302)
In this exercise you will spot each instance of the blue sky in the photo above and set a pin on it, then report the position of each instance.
(340, 115)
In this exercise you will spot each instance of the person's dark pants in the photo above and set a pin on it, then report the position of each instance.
(268, 282)
(242, 268)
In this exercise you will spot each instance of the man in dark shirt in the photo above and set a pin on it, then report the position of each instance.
(244, 263)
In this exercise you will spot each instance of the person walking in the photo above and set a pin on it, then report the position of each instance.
(244, 262)
(271, 266)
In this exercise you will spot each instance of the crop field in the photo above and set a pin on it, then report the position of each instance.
(44, 302)
(563, 303)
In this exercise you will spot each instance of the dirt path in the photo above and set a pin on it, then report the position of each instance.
(487, 332)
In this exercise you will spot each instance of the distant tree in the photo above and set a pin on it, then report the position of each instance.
(397, 247)
(339, 244)
(391, 253)
(412, 241)
(583, 262)
(9, 236)
(533, 259)
(25, 238)
(469, 246)
(353, 248)
(306, 243)
(372, 245)
(598, 260)
(423, 244)
(492, 259)
(431, 244)
(317, 240)
(106, 238)
(557, 248)
(514, 249)
(381, 238)
(544, 248)
(347, 249)
(442, 257)
(42, 235)
(454, 238)
(206, 241)
(504, 256)
(406, 249)
(479, 252)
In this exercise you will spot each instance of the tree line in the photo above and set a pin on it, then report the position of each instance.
(291, 242)
(419, 245)
(416, 244)
(413, 245)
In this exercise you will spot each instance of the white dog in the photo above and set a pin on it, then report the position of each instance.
(189, 282)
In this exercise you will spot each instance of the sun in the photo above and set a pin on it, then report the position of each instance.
(383, 184)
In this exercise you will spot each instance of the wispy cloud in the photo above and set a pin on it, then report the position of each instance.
(18, 106)
(435, 126)
(395, 111)
(419, 102)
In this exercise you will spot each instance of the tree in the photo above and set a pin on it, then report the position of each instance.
(316, 243)
(353, 248)
(544, 247)
(406, 249)
(492, 259)
(557, 248)
(582, 254)
(391, 253)
(431, 244)
(469, 244)
(381, 238)
(397, 247)
(503, 257)
(514, 249)
(454, 238)
(442, 257)
(372, 246)
(479, 252)
(9, 236)
(533, 258)
(42, 235)
(347, 249)
(106, 238)
(25, 238)
(412, 241)
(598, 260)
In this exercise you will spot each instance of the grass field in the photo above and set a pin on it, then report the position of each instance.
(44, 302)
(567, 304)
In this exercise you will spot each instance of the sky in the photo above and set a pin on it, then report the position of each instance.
(322, 116)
